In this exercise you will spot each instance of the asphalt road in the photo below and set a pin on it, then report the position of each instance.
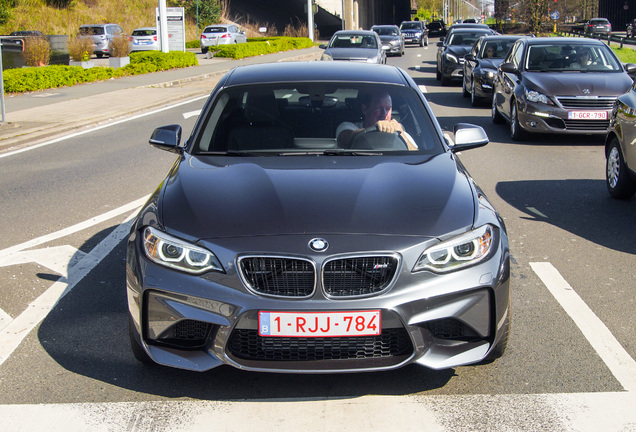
(570, 362)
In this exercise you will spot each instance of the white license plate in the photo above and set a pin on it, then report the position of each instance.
(319, 324)
(587, 115)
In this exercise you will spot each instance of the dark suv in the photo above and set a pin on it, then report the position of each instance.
(414, 32)
(436, 28)
(598, 26)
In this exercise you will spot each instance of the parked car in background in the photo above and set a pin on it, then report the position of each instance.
(35, 33)
(271, 248)
(221, 34)
(414, 32)
(354, 45)
(144, 39)
(436, 28)
(391, 36)
(620, 152)
(600, 26)
(480, 66)
(558, 85)
(452, 49)
(102, 36)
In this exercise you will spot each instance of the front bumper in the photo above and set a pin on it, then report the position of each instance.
(541, 118)
(198, 323)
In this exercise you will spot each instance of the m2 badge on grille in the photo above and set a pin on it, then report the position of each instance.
(319, 324)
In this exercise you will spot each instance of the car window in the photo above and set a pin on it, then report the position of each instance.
(411, 25)
(494, 49)
(215, 30)
(353, 41)
(386, 31)
(305, 117)
(464, 38)
(144, 32)
(90, 31)
(571, 57)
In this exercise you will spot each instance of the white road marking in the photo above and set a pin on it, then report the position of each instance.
(619, 362)
(5, 319)
(537, 212)
(12, 334)
(189, 114)
(84, 132)
(59, 258)
(582, 412)
(74, 228)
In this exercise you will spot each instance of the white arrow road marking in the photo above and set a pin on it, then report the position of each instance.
(60, 259)
(5, 319)
(189, 114)
(12, 334)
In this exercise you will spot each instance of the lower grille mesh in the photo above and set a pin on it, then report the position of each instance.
(248, 345)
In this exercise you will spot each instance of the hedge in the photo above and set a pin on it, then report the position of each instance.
(260, 46)
(28, 79)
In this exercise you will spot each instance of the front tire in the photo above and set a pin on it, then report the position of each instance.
(516, 132)
(620, 184)
(204, 50)
(494, 112)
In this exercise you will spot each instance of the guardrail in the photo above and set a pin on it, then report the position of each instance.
(621, 40)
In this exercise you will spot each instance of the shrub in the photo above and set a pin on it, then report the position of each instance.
(119, 46)
(80, 48)
(37, 51)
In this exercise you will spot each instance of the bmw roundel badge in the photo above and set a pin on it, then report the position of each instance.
(318, 245)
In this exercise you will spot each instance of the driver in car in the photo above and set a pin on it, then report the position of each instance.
(376, 111)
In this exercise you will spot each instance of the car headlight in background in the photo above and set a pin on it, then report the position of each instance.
(172, 252)
(326, 57)
(374, 59)
(535, 96)
(459, 252)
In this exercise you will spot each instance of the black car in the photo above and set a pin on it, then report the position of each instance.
(558, 85)
(620, 153)
(270, 247)
(480, 66)
(414, 32)
(598, 26)
(436, 28)
(452, 49)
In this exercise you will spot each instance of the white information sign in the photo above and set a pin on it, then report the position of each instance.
(176, 27)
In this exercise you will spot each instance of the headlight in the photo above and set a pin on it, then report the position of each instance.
(326, 57)
(459, 252)
(172, 252)
(535, 96)
(373, 59)
(451, 57)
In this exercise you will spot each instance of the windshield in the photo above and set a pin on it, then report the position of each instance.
(465, 38)
(353, 41)
(386, 31)
(215, 30)
(495, 49)
(411, 26)
(302, 118)
(571, 57)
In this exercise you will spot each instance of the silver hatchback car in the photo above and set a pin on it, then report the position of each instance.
(102, 35)
(144, 39)
(221, 34)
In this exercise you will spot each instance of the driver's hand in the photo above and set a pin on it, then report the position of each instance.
(389, 126)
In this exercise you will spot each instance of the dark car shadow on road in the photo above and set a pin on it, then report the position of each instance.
(87, 334)
(581, 207)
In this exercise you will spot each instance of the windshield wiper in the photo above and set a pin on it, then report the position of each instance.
(350, 153)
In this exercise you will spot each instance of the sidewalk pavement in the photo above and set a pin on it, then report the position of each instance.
(36, 117)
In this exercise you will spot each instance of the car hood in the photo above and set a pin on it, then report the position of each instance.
(485, 63)
(387, 39)
(458, 50)
(207, 197)
(578, 84)
(351, 53)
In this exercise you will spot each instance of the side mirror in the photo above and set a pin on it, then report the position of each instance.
(386, 47)
(470, 57)
(167, 138)
(322, 46)
(468, 136)
(631, 69)
(509, 68)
